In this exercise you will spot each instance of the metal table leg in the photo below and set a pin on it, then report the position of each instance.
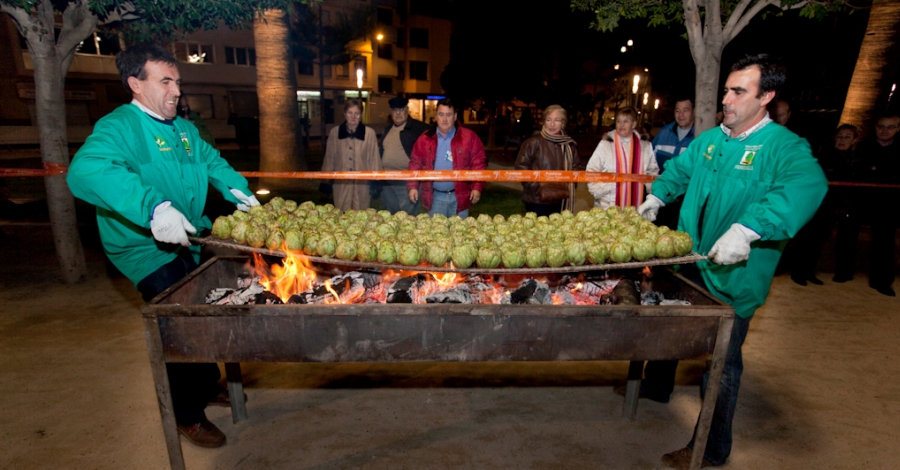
(632, 389)
(163, 393)
(723, 338)
(236, 391)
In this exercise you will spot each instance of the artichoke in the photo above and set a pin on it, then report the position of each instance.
(683, 243)
(256, 236)
(409, 254)
(310, 246)
(463, 255)
(239, 232)
(620, 252)
(597, 253)
(665, 246)
(275, 240)
(327, 246)
(513, 256)
(438, 254)
(576, 253)
(535, 256)
(387, 254)
(346, 250)
(293, 240)
(643, 249)
(366, 251)
(240, 215)
(556, 256)
(222, 227)
(488, 257)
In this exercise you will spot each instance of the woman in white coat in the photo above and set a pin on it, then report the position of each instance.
(352, 146)
(622, 150)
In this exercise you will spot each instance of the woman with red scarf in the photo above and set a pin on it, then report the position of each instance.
(622, 151)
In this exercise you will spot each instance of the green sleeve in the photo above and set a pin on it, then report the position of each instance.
(795, 192)
(101, 174)
(674, 181)
(221, 175)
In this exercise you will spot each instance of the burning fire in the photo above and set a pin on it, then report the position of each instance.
(296, 274)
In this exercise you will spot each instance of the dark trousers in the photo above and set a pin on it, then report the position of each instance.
(881, 264)
(660, 376)
(193, 385)
(544, 209)
(807, 245)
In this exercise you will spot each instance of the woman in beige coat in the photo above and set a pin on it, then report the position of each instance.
(352, 147)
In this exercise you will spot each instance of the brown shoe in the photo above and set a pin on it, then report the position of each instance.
(681, 459)
(203, 434)
(223, 399)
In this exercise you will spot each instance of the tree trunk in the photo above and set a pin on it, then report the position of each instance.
(49, 78)
(869, 87)
(279, 120)
(706, 90)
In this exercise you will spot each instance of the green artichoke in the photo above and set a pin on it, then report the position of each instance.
(597, 253)
(513, 256)
(488, 257)
(222, 227)
(387, 254)
(409, 254)
(293, 240)
(535, 256)
(643, 249)
(665, 246)
(438, 254)
(346, 250)
(463, 255)
(275, 240)
(256, 236)
(576, 253)
(366, 251)
(620, 252)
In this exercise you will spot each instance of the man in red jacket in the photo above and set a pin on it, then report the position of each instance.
(448, 147)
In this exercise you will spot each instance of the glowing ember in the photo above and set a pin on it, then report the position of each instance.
(331, 290)
(646, 271)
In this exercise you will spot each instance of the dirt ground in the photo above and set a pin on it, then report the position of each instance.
(820, 391)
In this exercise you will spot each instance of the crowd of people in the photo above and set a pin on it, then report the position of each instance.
(742, 190)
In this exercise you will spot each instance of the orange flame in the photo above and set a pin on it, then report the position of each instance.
(646, 271)
(333, 293)
(294, 275)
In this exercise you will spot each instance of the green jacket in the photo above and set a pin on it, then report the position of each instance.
(768, 181)
(131, 163)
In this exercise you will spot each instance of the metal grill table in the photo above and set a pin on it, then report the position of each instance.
(179, 327)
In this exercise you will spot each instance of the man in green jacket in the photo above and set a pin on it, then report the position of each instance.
(749, 186)
(148, 172)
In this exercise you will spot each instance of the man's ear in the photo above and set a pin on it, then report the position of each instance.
(135, 85)
(767, 98)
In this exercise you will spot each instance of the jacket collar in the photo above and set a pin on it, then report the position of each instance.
(433, 131)
(360, 132)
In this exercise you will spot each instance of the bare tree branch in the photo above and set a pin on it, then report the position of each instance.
(20, 17)
(78, 23)
(744, 20)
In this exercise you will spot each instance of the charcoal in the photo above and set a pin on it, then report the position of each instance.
(349, 287)
(404, 291)
(240, 296)
(565, 298)
(460, 294)
(267, 298)
(625, 293)
(246, 280)
(531, 291)
(594, 288)
(674, 302)
(216, 295)
(651, 298)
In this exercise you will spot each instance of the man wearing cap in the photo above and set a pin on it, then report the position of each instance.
(396, 146)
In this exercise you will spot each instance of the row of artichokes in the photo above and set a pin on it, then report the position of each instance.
(596, 236)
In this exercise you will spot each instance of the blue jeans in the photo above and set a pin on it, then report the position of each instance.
(395, 198)
(445, 203)
(718, 446)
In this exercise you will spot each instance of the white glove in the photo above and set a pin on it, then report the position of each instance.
(734, 245)
(248, 201)
(650, 207)
(168, 225)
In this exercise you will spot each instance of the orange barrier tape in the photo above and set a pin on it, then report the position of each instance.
(460, 175)
(50, 169)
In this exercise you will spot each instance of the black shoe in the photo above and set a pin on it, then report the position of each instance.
(815, 280)
(886, 291)
(798, 280)
(841, 278)
(620, 390)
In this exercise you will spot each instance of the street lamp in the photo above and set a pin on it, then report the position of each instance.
(630, 42)
(656, 104)
(646, 97)
(379, 37)
(616, 67)
(623, 49)
(637, 81)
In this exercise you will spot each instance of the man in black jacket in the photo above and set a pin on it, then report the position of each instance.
(396, 146)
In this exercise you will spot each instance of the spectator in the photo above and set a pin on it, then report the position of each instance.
(669, 143)
(351, 146)
(807, 245)
(879, 162)
(622, 150)
(447, 147)
(552, 149)
(396, 146)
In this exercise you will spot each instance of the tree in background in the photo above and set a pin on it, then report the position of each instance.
(52, 54)
(710, 24)
(313, 40)
(280, 148)
(878, 60)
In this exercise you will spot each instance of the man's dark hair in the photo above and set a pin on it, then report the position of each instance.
(771, 75)
(130, 62)
(446, 102)
(888, 115)
(680, 98)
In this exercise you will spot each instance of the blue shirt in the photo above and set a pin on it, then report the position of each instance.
(443, 158)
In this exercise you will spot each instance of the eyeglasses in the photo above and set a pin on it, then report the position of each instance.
(555, 121)
(886, 128)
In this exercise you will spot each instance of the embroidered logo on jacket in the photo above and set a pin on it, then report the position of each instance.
(161, 143)
(185, 143)
(709, 151)
(747, 159)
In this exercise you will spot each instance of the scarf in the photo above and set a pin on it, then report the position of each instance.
(629, 194)
(564, 142)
